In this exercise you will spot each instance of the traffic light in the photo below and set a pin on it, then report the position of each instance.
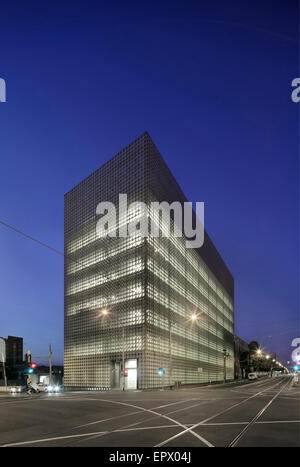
(31, 368)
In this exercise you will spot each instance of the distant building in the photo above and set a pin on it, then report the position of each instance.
(130, 302)
(241, 358)
(13, 350)
(41, 375)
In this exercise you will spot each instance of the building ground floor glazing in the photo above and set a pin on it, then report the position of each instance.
(189, 352)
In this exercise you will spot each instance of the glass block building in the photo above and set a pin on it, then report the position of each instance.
(129, 301)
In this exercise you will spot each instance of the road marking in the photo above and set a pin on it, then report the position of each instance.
(189, 427)
(132, 413)
(168, 413)
(254, 419)
(82, 435)
(277, 421)
(245, 423)
(210, 418)
(250, 386)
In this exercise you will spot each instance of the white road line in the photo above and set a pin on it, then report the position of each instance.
(130, 427)
(107, 419)
(82, 435)
(128, 415)
(254, 419)
(101, 433)
(168, 413)
(210, 418)
(246, 423)
(276, 421)
(203, 440)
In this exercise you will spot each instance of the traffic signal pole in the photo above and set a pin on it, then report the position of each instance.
(225, 356)
(170, 355)
(123, 359)
(4, 373)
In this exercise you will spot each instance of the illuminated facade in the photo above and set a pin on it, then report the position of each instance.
(132, 299)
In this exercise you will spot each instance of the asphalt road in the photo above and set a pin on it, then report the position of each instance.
(262, 413)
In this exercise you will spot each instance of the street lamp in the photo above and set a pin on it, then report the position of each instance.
(171, 323)
(105, 312)
(193, 317)
(258, 352)
(267, 357)
(225, 355)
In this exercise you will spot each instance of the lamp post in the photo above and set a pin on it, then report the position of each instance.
(171, 323)
(225, 356)
(105, 313)
(123, 359)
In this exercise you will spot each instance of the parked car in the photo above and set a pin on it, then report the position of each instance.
(252, 376)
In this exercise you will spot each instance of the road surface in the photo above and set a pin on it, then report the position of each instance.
(262, 413)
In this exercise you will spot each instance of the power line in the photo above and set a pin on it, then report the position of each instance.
(94, 268)
(32, 238)
(40, 243)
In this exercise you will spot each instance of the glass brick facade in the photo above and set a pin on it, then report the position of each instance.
(149, 286)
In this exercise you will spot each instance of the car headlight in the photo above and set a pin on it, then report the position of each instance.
(56, 388)
(50, 388)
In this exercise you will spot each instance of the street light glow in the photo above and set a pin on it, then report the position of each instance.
(193, 317)
(267, 357)
(104, 312)
(258, 351)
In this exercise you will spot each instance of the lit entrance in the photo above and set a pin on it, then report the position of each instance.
(131, 378)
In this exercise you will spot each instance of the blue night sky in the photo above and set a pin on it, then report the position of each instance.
(211, 82)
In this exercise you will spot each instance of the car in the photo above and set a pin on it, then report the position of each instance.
(15, 389)
(252, 376)
(53, 388)
(41, 387)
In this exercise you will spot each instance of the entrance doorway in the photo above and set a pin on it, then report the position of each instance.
(115, 374)
(131, 378)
